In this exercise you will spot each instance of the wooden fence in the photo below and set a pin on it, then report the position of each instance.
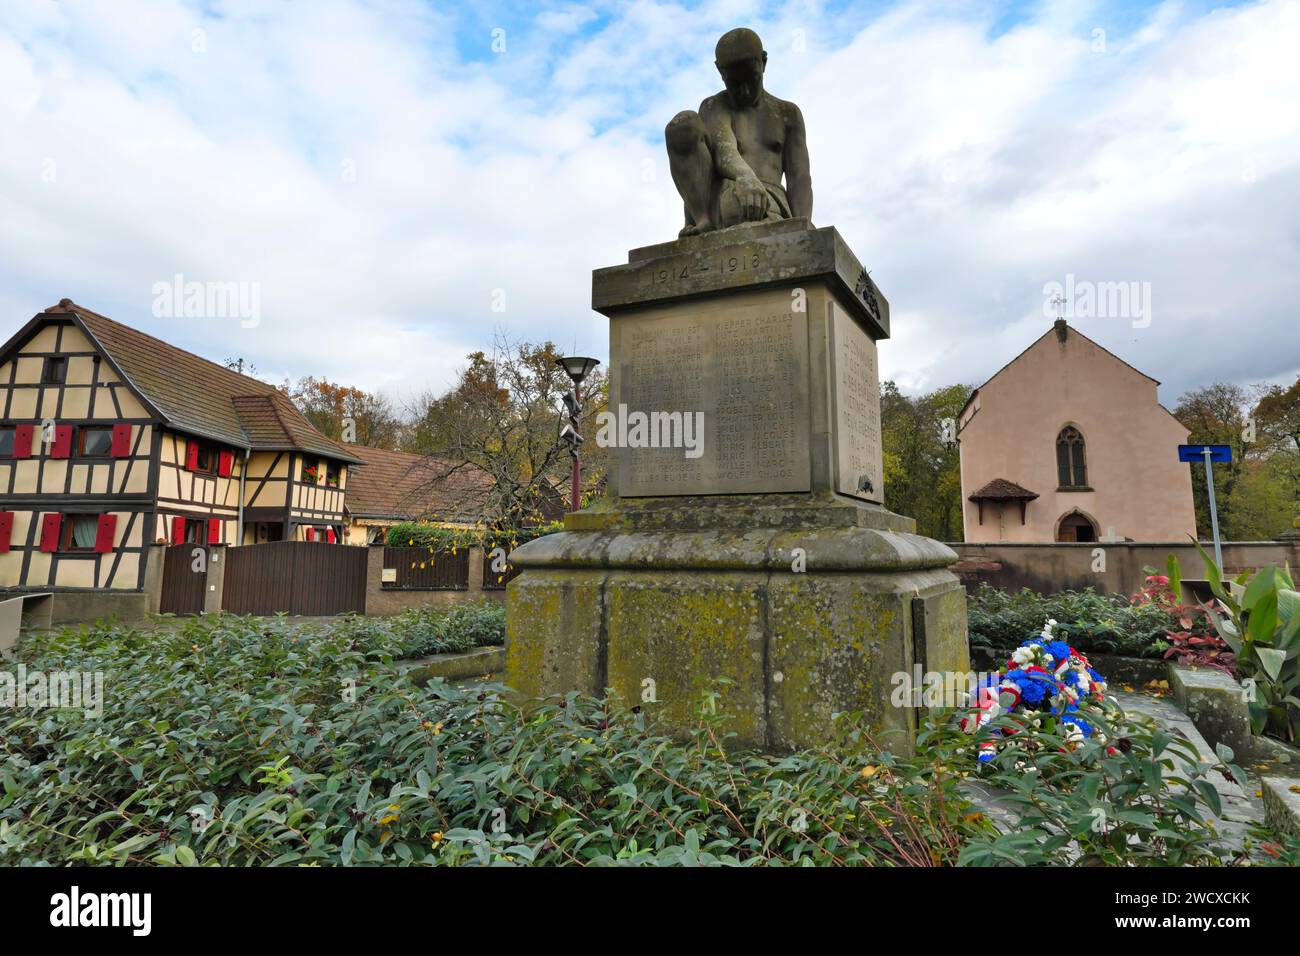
(419, 569)
(495, 576)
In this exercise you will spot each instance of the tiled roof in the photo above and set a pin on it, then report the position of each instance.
(272, 422)
(201, 397)
(402, 485)
(999, 489)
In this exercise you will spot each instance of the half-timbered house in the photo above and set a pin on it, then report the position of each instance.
(112, 440)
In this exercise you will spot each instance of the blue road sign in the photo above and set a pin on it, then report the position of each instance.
(1197, 452)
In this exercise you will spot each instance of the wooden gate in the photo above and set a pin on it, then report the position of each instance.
(183, 587)
(296, 577)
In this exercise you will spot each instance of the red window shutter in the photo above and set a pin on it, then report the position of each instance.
(104, 533)
(122, 440)
(6, 530)
(191, 455)
(311, 534)
(224, 463)
(50, 532)
(23, 440)
(329, 535)
(62, 446)
(178, 530)
(214, 531)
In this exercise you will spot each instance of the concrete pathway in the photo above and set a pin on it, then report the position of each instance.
(1240, 808)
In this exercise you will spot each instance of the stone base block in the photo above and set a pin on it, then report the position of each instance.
(801, 620)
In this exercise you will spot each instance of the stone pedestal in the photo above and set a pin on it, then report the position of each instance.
(745, 535)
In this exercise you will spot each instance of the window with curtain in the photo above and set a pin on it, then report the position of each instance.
(1071, 468)
(81, 532)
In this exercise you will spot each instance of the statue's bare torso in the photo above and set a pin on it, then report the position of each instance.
(760, 134)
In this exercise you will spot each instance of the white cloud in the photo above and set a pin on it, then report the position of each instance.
(381, 172)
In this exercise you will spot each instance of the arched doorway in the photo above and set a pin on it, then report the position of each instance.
(1076, 526)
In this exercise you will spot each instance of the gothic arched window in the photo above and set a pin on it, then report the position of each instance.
(1071, 469)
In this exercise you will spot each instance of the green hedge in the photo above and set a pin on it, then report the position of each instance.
(432, 629)
(1091, 622)
(243, 741)
(437, 538)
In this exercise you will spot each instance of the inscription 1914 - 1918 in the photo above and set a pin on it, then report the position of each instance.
(730, 261)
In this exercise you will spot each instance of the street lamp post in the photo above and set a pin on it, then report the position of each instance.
(577, 367)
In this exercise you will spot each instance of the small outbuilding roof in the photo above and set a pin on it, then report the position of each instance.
(999, 489)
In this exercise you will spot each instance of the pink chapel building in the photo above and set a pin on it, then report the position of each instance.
(1067, 442)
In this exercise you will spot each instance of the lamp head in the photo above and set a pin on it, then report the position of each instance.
(577, 367)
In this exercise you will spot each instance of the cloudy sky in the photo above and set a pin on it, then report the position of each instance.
(399, 179)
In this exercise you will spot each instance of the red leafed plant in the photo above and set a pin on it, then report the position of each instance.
(1191, 636)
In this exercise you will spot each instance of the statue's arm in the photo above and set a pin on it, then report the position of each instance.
(726, 153)
(798, 176)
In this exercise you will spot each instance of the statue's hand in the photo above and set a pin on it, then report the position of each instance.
(753, 199)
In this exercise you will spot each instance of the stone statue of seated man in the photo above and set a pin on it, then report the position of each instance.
(727, 160)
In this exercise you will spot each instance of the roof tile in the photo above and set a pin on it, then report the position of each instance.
(999, 489)
(402, 485)
(202, 397)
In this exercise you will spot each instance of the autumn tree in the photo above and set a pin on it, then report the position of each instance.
(502, 420)
(1276, 426)
(1277, 418)
(1216, 415)
(347, 414)
(921, 461)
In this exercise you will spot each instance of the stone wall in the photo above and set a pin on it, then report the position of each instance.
(1049, 568)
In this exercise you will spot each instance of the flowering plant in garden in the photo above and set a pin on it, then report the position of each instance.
(1190, 635)
(1044, 677)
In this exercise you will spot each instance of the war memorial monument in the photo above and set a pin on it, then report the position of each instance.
(762, 553)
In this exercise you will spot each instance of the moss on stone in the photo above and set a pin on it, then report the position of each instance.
(596, 609)
(683, 630)
(835, 645)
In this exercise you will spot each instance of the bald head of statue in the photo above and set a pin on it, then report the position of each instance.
(740, 59)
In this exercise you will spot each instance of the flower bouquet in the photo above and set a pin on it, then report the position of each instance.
(1044, 678)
